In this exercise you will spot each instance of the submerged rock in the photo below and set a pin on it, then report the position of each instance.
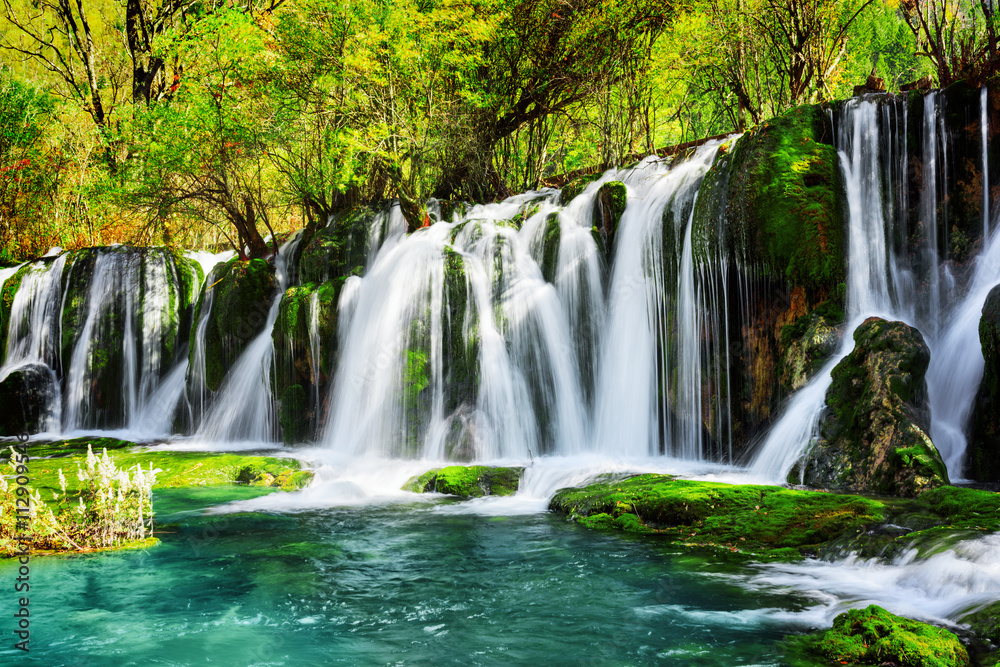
(873, 636)
(26, 395)
(873, 432)
(982, 456)
(467, 481)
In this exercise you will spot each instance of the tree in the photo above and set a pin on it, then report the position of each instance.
(203, 154)
(26, 177)
(957, 36)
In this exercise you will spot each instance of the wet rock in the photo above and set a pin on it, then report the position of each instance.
(873, 432)
(609, 205)
(807, 344)
(467, 481)
(27, 395)
(982, 456)
(550, 247)
(340, 249)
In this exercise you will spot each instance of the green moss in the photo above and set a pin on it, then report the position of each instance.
(766, 521)
(527, 211)
(467, 481)
(873, 636)
(873, 435)
(243, 295)
(338, 250)
(785, 199)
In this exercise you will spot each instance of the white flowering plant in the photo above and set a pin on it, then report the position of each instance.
(112, 508)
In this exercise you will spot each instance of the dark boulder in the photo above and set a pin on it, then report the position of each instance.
(982, 456)
(26, 396)
(873, 432)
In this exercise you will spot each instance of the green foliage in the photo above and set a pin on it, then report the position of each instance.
(28, 173)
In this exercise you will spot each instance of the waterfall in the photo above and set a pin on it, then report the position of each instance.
(956, 367)
(859, 148)
(244, 410)
(630, 404)
(33, 332)
(984, 132)
(928, 213)
(464, 300)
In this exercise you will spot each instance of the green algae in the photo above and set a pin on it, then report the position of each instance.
(467, 481)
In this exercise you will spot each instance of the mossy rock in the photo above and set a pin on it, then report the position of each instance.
(785, 200)
(298, 378)
(467, 481)
(873, 432)
(984, 622)
(551, 236)
(982, 456)
(763, 521)
(572, 189)
(873, 636)
(609, 205)
(460, 337)
(338, 250)
(807, 344)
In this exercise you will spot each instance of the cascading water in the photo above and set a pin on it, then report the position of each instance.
(956, 366)
(122, 326)
(630, 405)
(984, 132)
(244, 408)
(859, 146)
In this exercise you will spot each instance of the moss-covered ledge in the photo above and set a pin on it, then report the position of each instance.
(467, 481)
(777, 522)
(174, 468)
(762, 521)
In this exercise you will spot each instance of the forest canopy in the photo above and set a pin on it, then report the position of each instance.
(202, 123)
